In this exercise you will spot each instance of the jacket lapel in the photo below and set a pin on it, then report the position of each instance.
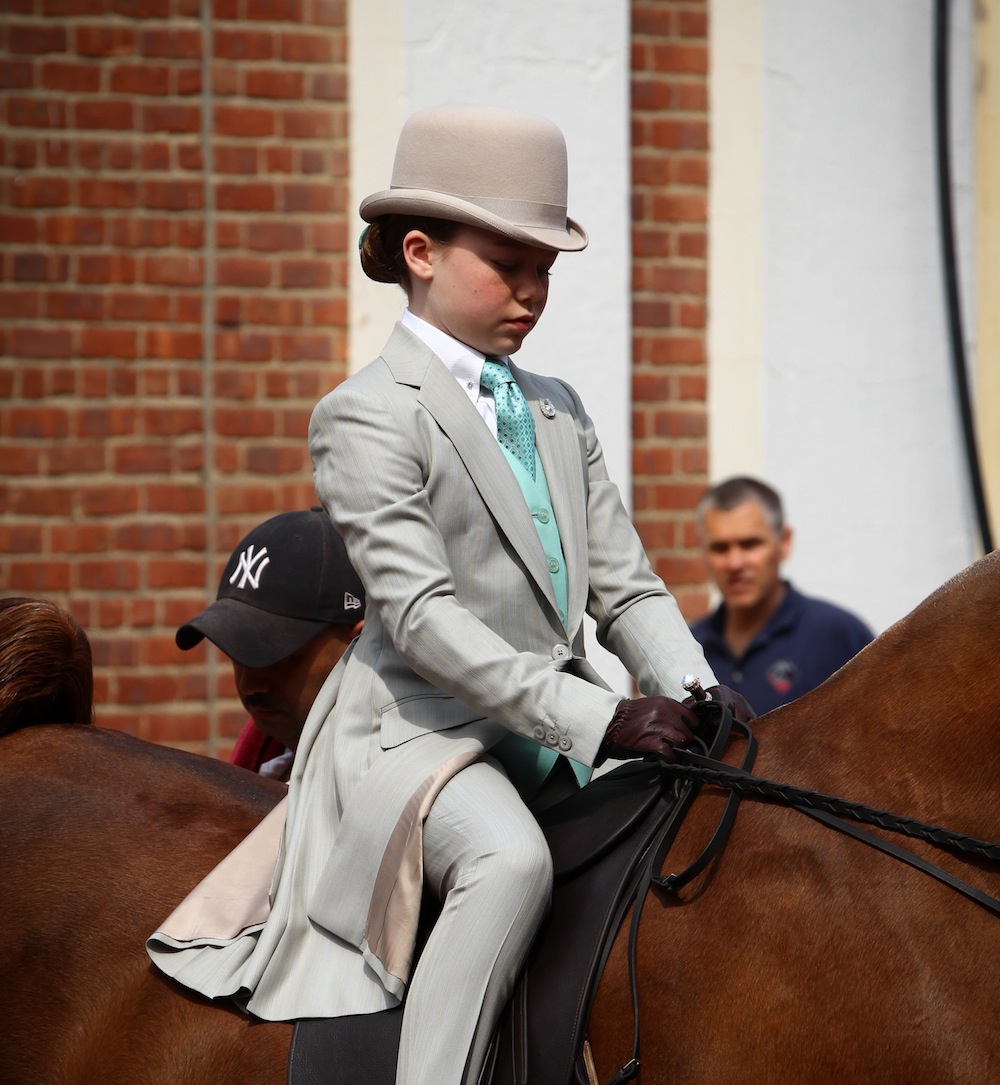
(413, 363)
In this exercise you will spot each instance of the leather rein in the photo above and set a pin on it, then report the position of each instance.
(694, 768)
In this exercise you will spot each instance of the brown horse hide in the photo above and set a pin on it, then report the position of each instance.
(102, 835)
(803, 955)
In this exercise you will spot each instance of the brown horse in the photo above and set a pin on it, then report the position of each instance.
(801, 956)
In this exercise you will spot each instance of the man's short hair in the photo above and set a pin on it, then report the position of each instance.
(727, 495)
(287, 580)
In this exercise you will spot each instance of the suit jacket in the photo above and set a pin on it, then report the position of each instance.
(462, 634)
(462, 642)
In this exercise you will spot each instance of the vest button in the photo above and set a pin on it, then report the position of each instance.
(553, 565)
(543, 516)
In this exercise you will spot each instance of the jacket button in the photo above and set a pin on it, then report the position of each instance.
(565, 744)
(552, 739)
(561, 651)
(539, 732)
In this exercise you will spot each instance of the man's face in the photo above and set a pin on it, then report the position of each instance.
(744, 553)
(279, 697)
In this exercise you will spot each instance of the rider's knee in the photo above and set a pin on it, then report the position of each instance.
(529, 864)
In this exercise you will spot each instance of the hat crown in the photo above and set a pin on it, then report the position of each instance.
(482, 154)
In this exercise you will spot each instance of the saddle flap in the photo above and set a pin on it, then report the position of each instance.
(584, 827)
(346, 1050)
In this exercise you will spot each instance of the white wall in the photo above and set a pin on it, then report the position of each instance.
(852, 409)
(567, 60)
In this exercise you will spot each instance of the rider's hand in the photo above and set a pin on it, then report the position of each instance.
(647, 725)
(729, 698)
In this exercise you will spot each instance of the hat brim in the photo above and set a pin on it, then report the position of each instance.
(415, 201)
(251, 637)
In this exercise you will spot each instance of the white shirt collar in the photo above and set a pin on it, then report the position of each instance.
(463, 362)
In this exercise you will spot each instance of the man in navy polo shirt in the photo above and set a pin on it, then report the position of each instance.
(766, 640)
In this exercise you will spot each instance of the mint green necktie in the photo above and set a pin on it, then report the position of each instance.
(515, 426)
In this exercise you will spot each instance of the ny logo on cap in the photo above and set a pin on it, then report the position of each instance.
(246, 566)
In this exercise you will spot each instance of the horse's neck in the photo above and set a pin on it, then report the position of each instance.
(910, 724)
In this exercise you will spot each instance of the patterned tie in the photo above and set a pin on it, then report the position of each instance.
(515, 426)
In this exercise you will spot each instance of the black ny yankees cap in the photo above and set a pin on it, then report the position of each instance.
(285, 582)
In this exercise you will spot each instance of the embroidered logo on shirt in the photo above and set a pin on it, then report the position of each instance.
(781, 675)
(351, 602)
(250, 566)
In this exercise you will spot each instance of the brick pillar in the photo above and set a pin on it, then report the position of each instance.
(173, 293)
(670, 140)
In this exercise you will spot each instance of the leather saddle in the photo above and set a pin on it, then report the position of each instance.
(598, 837)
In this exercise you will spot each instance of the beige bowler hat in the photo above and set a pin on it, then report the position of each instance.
(493, 168)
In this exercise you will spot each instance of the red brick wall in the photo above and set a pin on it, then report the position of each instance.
(173, 301)
(670, 140)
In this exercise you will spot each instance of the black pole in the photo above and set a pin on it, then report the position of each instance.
(949, 260)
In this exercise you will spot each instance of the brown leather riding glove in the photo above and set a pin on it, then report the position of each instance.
(647, 725)
(729, 698)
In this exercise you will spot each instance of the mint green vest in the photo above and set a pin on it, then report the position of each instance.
(527, 763)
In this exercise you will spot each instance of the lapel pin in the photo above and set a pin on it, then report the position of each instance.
(547, 409)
